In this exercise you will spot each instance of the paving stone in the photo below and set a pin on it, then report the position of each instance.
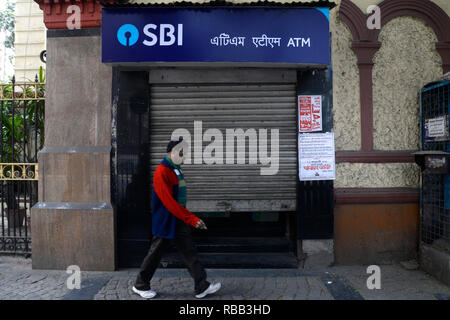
(19, 281)
(317, 290)
(290, 291)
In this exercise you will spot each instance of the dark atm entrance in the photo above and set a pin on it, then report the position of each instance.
(264, 236)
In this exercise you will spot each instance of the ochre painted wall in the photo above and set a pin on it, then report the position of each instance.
(375, 234)
(377, 175)
(346, 99)
(406, 61)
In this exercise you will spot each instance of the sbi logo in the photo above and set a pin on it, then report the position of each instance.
(168, 34)
(127, 35)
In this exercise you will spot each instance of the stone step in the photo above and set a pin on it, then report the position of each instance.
(236, 260)
(243, 245)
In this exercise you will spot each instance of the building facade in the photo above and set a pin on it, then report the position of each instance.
(95, 181)
(30, 40)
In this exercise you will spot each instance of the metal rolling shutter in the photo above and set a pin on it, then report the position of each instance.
(237, 187)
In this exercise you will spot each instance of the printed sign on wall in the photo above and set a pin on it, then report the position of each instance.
(316, 156)
(310, 113)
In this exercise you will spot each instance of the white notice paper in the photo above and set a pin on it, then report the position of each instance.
(316, 156)
(436, 127)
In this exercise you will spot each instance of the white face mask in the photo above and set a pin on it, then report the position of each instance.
(175, 153)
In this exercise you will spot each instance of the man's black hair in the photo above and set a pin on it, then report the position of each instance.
(172, 144)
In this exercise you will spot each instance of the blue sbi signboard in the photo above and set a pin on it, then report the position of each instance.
(254, 35)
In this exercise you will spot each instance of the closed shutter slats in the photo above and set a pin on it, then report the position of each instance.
(234, 187)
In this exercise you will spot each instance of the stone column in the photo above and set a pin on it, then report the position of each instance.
(73, 223)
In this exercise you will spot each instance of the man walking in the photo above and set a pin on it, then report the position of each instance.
(172, 222)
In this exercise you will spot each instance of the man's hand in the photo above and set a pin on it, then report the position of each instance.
(201, 225)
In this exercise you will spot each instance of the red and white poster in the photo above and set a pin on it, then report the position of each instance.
(309, 113)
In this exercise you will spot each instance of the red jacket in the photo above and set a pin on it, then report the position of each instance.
(165, 185)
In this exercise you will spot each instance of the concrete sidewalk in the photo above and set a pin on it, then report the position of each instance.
(18, 281)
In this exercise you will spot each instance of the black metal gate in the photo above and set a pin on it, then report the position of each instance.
(435, 192)
(21, 137)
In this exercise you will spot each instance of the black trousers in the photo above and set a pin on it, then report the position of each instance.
(185, 245)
